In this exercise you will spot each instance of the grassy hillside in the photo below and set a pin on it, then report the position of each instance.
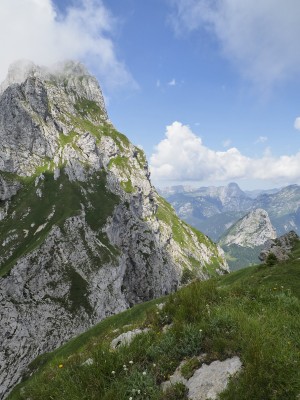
(239, 257)
(252, 313)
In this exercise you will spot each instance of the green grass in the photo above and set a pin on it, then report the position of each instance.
(241, 257)
(86, 108)
(127, 186)
(67, 139)
(252, 313)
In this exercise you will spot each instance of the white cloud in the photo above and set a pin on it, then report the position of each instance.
(226, 143)
(172, 82)
(261, 139)
(182, 156)
(34, 30)
(297, 123)
(261, 38)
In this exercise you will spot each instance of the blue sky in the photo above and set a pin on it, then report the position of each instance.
(223, 76)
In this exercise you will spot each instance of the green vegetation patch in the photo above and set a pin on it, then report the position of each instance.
(67, 139)
(240, 257)
(99, 129)
(78, 291)
(127, 186)
(47, 166)
(86, 108)
(29, 221)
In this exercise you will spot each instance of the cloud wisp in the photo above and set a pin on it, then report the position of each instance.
(297, 123)
(182, 156)
(38, 32)
(261, 139)
(260, 38)
(172, 82)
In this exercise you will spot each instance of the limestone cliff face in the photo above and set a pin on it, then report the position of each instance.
(254, 229)
(83, 233)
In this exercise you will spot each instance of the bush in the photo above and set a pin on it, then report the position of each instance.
(271, 260)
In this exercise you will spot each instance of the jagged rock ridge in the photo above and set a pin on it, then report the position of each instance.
(281, 247)
(83, 232)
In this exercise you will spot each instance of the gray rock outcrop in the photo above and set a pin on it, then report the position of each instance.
(83, 233)
(208, 381)
(280, 247)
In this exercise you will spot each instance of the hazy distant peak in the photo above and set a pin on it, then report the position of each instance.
(254, 229)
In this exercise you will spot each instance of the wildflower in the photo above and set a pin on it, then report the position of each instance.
(60, 366)
(130, 398)
(113, 372)
(131, 362)
(124, 366)
(154, 365)
(144, 372)
(138, 391)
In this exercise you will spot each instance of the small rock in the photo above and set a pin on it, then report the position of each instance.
(175, 378)
(166, 328)
(160, 306)
(210, 380)
(126, 338)
(88, 362)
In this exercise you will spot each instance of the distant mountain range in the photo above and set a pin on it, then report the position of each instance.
(216, 209)
(240, 221)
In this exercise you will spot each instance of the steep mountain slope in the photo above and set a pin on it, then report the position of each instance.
(252, 313)
(214, 210)
(244, 241)
(83, 233)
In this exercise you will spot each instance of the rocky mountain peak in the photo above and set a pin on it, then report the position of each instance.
(83, 233)
(72, 75)
(254, 229)
(232, 190)
(50, 115)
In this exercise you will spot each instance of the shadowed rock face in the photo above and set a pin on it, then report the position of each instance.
(280, 247)
(83, 233)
